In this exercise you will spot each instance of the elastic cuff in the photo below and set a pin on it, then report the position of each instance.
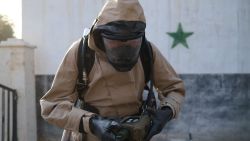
(81, 130)
(85, 120)
(171, 106)
(173, 100)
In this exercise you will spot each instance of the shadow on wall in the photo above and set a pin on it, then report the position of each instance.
(216, 108)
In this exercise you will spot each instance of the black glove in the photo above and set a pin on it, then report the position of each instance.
(104, 128)
(160, 118)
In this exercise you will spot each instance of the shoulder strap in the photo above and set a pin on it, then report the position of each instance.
(146, 55)
(89, 57)
(85, 61)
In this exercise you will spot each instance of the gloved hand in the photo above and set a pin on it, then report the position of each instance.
(103, 128)
(160, 118)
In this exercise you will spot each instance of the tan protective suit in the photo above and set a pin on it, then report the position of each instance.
(113, 93)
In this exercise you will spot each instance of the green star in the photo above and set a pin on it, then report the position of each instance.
(179, 36)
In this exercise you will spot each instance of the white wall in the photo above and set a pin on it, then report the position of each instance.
(220, 43)
(17, 59)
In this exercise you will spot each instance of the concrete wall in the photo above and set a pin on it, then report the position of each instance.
(216, 108)
(220, 42)
(17, 72)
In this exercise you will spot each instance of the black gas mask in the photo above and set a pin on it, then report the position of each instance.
(121, 41)
(122, 54)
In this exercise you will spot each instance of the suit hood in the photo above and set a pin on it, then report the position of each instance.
(127, 15)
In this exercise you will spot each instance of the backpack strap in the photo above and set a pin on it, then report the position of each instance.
(89, 57)
(146, 55)
(148, 66)
(85, 61)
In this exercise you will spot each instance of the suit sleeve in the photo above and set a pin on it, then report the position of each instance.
(169, 86)
(57, 105)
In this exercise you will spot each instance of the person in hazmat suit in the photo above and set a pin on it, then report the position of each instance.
(116, 82)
